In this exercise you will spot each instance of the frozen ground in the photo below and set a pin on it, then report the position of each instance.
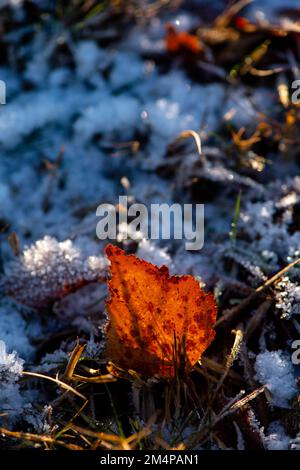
(92, 114)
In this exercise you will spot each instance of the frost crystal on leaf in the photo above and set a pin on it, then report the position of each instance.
(48, 269)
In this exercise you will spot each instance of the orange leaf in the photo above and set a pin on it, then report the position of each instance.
(157, 322)
(179, 41)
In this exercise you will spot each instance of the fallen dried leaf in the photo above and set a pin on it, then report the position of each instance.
(157, 323)
(182, 42)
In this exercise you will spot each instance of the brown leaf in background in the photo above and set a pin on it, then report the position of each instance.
(182, 42)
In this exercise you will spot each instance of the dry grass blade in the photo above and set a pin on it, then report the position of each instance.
(254, 57)
(283, 91)
(233, 354)
(225, 17)
(14, 243)
(26, 436)
(196, 137)
(204, 432)
(235, 349)
(98, 435)
(231, 358)
(99, 379)
(265, 73)
(248, 398)
(232, 407)
(235, 311)
(217, 368)
(276, 276)
(74, 358)
(57, 381)
(109, 440)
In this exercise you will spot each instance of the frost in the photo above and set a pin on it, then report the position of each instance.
(287, 295)
(148, 251)
(240, 440)
(267, 222)
(113, 115)
(121, 74)
(38, 419)
(295, 443)
(163, 118)
(83, 308)
(49, 269)
(34, 111)
(269, 9)
(182, 107)
(276, 439)
(244, 109)
(11, 368)
(93, 349)
(53, 361)
(89, 57)
(275, 371)
(14, 330)
(13, 3)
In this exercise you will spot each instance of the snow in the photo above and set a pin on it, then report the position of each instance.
(36, 110)
(82, 116)
(276, 438)
(269, 9)
(246, 109)
(275, 370)
(113, 116)
(122, 75)
(88, 57)
(14, 330)
(11, 368)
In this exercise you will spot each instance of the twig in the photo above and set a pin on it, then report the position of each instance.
(229, 314)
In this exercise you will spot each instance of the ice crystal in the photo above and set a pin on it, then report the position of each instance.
(287, 296)
(275, 370)
(49, 269)
(276, 438)
(11, 367)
